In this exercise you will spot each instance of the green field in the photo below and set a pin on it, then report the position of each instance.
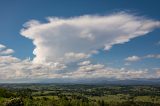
(78, 95)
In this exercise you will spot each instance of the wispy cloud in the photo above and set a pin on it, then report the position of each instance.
(137, 58)
(2, 46)
(156, 56)
(5, 51)
(158, 43)
(84, 63)
(132, 58)
(99, 71)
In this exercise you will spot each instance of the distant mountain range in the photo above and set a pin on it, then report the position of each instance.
(106, 81)
(100, 81)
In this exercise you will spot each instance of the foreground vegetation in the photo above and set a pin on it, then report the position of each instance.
(78, 95)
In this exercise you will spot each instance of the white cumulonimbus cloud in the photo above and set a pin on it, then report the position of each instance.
(25, 70)
(15, 68)
(83, 34)
(63, 40)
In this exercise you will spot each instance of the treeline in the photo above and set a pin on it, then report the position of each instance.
(91, 90)
(6, 93)
(64, 101)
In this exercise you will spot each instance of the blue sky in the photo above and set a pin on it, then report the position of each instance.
(14, 14)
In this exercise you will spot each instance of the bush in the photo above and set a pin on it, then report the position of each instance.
(14, 102)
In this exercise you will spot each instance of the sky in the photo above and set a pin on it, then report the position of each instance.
(60, 40)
